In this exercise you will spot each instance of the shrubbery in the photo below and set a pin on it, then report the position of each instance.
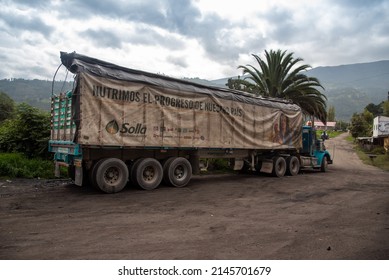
(17, 165)
(24, 135)
(27, 132)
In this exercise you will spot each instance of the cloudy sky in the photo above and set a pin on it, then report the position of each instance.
(208, 39)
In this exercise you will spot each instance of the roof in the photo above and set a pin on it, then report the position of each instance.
(381, 119)
(77, 63)
(329, 124)
(321, 124)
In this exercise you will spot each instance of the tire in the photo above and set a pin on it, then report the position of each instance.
(133, 171)
(111, 175)
(93, 173)
(324, 165)
(177, 172)
(165, 167)
(279, 166)
(148, 173)
(293, 165)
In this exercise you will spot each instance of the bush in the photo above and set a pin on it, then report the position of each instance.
(28, 132)
(378, 150)
(17, 165)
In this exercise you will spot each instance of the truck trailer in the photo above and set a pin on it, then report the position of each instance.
(119, 125)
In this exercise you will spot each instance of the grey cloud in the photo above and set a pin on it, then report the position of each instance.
(148, 36)
(356, 4)
(103, 38)
(178, 61)
(283, 27)
(24, 66)
(31, 3)
(180, 17)
(18, 23)
(148, 12)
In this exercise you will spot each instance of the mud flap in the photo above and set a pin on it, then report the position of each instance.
(267, 166)
(57, 172)
(78, 176)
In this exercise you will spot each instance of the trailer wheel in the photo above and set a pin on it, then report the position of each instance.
(177, 171)
(324, 165)
(93, 173)
(111, 175)
(293, 165)
(133, 171)
(148, 173)
(279, 166)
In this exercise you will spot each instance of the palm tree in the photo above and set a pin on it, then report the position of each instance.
(279, 76)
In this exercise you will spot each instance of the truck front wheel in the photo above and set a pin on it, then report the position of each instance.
(324, 165)
(177, 171)
(110, 175)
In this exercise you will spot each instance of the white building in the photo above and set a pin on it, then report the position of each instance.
(381, 127)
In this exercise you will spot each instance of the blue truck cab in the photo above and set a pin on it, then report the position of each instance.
(313, 152)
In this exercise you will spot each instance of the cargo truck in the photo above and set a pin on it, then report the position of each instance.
(118, 126)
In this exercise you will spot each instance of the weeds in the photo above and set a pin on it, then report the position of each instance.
(17, 165)
(380, 160)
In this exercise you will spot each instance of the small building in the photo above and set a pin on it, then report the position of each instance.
(381, 126)
(381, 131)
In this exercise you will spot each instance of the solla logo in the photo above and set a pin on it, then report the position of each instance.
(113, 128)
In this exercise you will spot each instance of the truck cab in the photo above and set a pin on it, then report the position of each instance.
(313, 152)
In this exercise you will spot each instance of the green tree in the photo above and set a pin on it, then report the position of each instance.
(279, 76)
(341, 125)
(361, 124)
(6, 106)
(385, 108)
(376, 110)
(28, 132)
(331, 114)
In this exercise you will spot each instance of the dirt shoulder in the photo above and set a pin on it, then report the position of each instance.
(340, 214)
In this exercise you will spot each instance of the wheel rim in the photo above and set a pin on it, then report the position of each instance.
(179, 172)
(149, 173)
(325, 164)
(111, 175)
(279, 167)
(295, 165)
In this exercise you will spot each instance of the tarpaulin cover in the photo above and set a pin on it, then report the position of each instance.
(124, 107)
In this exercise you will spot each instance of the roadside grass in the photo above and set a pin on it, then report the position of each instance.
(380, 159)
(15, 165)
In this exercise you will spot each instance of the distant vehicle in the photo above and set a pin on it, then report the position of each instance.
(119, 125)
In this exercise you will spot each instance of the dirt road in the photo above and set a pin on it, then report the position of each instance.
(341, 214)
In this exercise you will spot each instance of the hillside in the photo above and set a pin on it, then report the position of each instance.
(349, 88)
(34, 92)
